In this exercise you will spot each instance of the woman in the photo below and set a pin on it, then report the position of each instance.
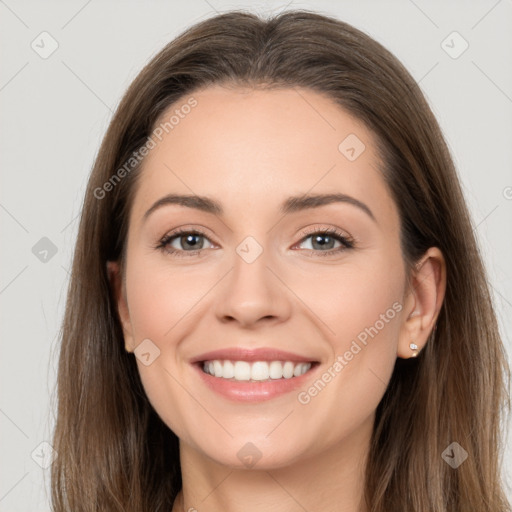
(277, 301)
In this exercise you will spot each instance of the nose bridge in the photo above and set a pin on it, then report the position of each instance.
(250, 250)
(252, 291)
(251, 277)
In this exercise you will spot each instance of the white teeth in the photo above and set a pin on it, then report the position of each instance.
(260, 370)
(288, 370)
(256, 371)
(242, 371)
(275, 370)
(297, 371)
(228, 370)
(217, 368)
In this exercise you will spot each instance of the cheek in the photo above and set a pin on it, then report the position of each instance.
(361, 306)
(365, 317)
(356, 300)
(161, 303)
(160, 298)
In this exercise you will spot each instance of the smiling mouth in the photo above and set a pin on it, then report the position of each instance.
(256, 371)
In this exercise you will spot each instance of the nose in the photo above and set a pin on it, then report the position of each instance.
(253, 293)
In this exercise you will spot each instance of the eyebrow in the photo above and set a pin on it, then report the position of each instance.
(290, 205)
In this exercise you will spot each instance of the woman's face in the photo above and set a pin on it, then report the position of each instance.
(264, 276)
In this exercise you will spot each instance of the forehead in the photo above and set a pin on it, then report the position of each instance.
(251, 148)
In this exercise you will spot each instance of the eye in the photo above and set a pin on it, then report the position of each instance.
(191, 242)
(323, 241)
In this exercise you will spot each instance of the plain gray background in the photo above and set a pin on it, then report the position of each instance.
(55, 110)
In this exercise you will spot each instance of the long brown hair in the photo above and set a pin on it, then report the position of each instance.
(114, 453)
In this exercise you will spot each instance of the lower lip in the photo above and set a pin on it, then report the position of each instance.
(247, 391)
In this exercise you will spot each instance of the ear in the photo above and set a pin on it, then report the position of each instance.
(119, 291)
(424, 300)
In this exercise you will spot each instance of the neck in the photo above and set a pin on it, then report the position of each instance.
(329, 481)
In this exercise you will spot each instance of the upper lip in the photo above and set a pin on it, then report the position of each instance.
(251, 354)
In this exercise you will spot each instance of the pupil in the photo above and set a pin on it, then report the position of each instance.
(320, 237)
(188, 238)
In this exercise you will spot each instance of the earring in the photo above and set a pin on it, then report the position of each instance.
(414, 348)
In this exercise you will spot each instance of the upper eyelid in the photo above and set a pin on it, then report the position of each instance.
(308, 231)
(330, 230)
(185, 231)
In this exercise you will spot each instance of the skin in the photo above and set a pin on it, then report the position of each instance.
(250, 150)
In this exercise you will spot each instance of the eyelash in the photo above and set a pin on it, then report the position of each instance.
(347, 243)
